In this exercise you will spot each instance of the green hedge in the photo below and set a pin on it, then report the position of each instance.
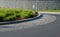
(9, 14)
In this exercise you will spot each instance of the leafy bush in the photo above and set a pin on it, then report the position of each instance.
(2, 16)
(10, 18)
(9, 14)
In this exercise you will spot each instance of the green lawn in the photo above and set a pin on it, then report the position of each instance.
(49, 10)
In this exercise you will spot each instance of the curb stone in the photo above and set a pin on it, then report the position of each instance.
(11, 24)
(41, 21)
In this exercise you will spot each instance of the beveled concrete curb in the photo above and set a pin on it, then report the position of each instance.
(9, 24)
(41, 20)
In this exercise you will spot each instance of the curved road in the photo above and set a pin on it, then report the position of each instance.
(48, 30)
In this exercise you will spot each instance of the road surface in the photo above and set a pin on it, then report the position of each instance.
(48, 30)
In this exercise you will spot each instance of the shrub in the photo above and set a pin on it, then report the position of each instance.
(2, 16)
(9, 14)
(10, 18)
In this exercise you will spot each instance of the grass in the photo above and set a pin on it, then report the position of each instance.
(49, 10)
(9, 14)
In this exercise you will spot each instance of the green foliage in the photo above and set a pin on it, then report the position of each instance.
(9, 14)
(10, 18)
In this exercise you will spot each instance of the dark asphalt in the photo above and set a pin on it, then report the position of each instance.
(47, 30)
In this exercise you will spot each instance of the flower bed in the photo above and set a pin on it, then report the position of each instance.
(12, 14)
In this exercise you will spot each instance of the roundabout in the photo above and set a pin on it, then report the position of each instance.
(41, 19)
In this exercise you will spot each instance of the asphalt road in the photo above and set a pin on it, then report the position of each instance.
(48, 30)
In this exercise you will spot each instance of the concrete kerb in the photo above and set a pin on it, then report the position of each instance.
(10, 27)
(10, 24)
(25, 20)
(31, 23)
